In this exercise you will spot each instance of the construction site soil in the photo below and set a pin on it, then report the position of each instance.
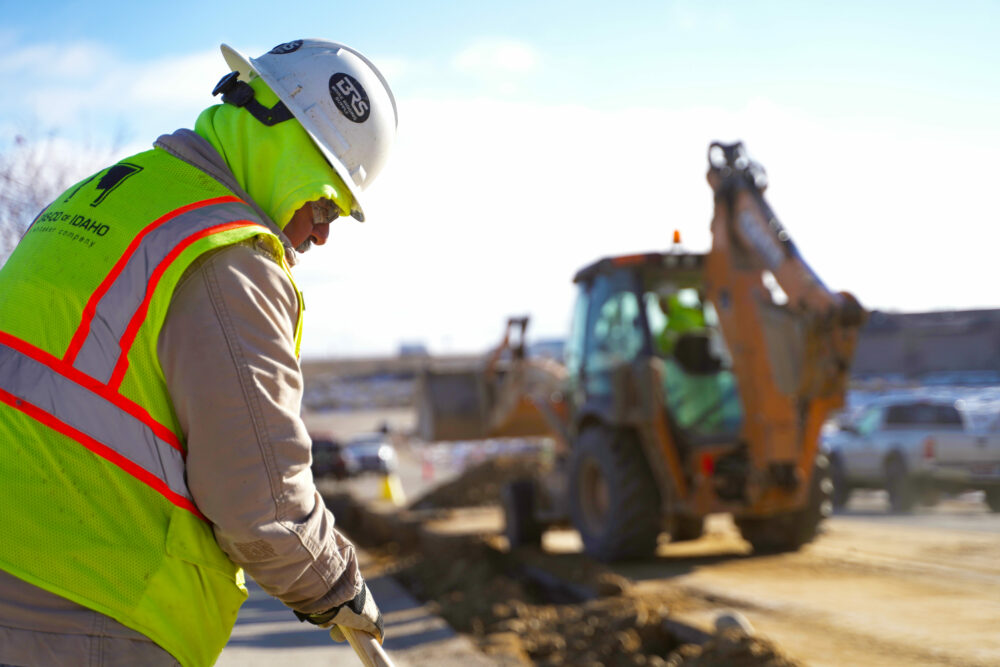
(874, 590)
(525, 607)
(481, 484)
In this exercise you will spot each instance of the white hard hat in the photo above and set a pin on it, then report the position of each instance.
(338, 96)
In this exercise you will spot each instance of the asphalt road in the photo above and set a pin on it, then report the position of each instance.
(963, 512)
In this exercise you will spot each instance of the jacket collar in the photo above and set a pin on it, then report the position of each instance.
(186, 145)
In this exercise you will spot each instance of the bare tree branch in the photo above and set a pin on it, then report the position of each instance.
(32, 174)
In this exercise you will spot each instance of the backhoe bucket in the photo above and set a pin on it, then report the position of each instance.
(451, 404)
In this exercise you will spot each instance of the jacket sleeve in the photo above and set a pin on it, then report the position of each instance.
(227, 351)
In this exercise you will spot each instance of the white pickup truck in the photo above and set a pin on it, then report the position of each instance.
(915, 447)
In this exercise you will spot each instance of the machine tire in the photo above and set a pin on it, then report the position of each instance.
(613, 499)
(929, 497)
(841, 493)
(902, 493)
(521, 526)
(993, 499)
(789, 531)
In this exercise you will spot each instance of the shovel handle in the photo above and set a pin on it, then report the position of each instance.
(367, 647)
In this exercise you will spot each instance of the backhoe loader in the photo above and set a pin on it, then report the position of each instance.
(692, 383)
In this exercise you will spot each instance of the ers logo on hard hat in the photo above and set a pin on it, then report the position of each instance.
(287, 47)
(350, 97)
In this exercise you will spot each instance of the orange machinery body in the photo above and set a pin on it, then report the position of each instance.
(788, 386)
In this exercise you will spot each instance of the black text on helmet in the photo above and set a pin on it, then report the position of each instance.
(350, 97)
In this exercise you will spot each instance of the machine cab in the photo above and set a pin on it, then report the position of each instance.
(651, 307)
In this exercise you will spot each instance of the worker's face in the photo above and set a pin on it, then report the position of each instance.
(303, 230)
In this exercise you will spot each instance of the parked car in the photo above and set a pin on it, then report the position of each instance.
(371, 452)
(914, 447)
(328, 459)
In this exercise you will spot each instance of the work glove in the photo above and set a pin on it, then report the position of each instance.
(361, 613)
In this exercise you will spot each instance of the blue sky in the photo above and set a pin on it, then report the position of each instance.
(535, 137)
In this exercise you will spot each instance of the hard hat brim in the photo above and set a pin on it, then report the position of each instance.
(238, 63)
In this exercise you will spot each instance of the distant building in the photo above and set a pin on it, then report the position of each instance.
(941, 347)
(548, 348)
(412, 349)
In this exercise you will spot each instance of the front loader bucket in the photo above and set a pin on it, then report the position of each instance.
(462, 404)
(451, 404)
(524, 419)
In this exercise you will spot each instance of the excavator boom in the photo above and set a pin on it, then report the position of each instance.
(791, 359)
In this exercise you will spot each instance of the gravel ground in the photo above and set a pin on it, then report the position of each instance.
(519, 615)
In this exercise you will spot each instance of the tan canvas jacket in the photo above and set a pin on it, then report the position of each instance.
(228, 355)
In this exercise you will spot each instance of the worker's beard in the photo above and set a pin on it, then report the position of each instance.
(304, 246)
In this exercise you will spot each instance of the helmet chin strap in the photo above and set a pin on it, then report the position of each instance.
(240, 94)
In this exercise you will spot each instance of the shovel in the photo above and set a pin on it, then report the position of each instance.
(367, 647)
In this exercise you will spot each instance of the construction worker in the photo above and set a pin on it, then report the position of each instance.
(683, 312)
(700, 393)
(150, 390)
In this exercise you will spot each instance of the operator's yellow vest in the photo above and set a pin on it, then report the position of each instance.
(93, 501)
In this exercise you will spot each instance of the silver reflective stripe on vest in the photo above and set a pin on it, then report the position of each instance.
(93, 415)
(101, 350)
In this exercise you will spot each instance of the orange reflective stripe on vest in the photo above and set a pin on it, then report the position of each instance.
(117, 307)
(78, 394)
(50, 392)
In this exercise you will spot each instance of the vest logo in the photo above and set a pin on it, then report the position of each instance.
(114, 177)
(348, 95)
(287, 47)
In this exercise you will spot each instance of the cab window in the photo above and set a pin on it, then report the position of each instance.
(614, 329)
(869, 420)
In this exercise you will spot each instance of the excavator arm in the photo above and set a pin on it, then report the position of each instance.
(792, 358)
(526, 400)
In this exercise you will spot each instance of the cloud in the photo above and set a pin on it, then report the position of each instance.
(182, 82)
(55, 61)
(393, 69)
(488, 207)
(85, 86)
(490, 57)
(489, 204)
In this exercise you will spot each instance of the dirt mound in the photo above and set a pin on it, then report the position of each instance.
(480, 484)
(511, 620)
(531, 608)
(730, 648)
(481, 593)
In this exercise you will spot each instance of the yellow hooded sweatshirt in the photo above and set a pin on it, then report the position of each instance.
(278, 166)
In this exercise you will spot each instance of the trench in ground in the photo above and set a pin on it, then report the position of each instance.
(519, 611)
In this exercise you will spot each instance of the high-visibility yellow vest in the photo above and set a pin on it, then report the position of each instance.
(93, 501)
